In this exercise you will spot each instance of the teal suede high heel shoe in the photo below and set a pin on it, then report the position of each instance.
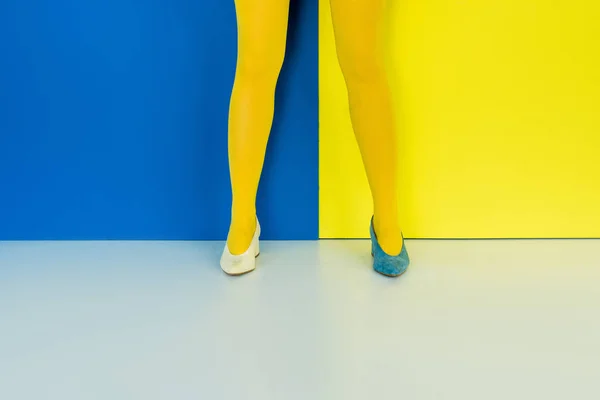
(384, 263)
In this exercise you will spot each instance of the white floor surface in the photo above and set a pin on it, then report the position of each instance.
(478, 320)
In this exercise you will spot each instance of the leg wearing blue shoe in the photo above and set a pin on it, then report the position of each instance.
(359, 42)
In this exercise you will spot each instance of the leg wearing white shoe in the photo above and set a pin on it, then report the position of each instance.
(262, 29)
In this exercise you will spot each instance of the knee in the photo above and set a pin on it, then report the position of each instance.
(361, 70)
(260, 63)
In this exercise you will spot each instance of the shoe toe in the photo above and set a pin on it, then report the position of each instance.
(390, 269)
(237, 266)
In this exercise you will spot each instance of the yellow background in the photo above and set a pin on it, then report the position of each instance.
(498, 108)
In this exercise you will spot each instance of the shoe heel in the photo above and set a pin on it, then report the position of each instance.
(256, 245)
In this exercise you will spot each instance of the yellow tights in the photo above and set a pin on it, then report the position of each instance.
(262, 28)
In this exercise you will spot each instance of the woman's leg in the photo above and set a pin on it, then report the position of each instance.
(262, 29)
(358, 35)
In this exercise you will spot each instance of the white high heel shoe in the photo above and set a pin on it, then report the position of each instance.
(245, 262)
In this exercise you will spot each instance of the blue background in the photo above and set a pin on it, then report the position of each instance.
(113, 121)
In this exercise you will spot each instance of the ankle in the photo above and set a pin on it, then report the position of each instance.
(389, 235)
(243, 216)
(243, 220)
(240, 235)
(386, 224)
